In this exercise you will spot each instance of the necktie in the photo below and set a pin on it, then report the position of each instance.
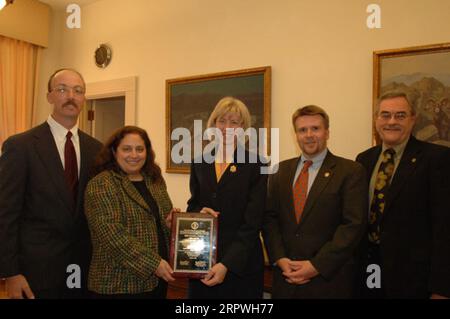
(382, 183)
(300, 190)
(70, 166)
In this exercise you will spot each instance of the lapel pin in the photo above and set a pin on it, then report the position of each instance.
(327, 174)
(414, 160)
(233, 169)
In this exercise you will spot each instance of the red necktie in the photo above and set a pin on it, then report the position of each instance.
(70, 166)
(300, 190)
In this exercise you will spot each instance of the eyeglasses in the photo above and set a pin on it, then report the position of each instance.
(64, 89)
(399, 116)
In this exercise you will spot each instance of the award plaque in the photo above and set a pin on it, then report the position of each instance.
(193, 244)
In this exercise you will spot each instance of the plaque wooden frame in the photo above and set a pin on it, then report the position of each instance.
(176, 245)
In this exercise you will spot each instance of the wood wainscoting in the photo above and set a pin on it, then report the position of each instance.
(178, 289)
(2, 289)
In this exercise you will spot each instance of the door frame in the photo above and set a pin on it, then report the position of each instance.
(113, 88)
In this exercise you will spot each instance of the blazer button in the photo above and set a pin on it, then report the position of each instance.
(214, 195)
(297, 235)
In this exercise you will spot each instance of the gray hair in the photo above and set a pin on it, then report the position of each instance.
(393, 95)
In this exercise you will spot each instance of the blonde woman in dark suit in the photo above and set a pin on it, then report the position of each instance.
(126, 207)
(235, 192)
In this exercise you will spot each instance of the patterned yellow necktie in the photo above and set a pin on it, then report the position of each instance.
(382, 183)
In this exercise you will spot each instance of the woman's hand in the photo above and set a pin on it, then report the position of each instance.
(169, 217)
(164, 271)
(216, 275)
(212, 212)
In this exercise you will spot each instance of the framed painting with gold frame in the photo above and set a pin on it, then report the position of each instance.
(194, 98)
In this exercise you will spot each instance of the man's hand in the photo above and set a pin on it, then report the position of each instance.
(301, 272)
(284, 264)
(164, 271)
(212, 212)
(170, 216)
(216, 275)
(17, 286)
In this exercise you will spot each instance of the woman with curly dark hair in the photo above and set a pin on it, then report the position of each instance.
(126, 205)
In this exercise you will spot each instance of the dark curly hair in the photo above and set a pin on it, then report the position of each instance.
(106, 161)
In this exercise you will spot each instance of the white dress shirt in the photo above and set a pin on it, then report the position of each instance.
(59, 133)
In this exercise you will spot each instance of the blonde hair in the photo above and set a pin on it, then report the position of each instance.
(230, 105)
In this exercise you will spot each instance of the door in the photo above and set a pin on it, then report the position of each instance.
(103, 117)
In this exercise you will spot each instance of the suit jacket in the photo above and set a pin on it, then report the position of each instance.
(415, 236)
(42, 230)
(239, 196)
(124, 234)
(332, 223)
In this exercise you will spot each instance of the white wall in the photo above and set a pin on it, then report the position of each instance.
(320, 52)
(50, 61)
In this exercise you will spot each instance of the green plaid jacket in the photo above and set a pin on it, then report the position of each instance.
(124, 234)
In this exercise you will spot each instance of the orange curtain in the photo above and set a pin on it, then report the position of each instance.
(18, 73)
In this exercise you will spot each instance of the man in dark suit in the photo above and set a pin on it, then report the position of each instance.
(316, 215)
(409, 218)
(43, 173)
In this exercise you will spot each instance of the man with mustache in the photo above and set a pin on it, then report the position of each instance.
(43, 173)
(408, 236)
(316, 215)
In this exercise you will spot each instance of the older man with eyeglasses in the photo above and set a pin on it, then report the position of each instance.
(44, 240)
(408, 237)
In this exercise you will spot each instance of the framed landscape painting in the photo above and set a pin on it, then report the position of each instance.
(193, 98)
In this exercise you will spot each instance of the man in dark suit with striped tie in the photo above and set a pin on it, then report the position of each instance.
(408, 238)
(43, 173)
(316, 215)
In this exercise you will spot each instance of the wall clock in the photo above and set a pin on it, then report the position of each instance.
(103, 55)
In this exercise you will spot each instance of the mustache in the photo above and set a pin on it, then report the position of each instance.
(392, 127)
(70, 102)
